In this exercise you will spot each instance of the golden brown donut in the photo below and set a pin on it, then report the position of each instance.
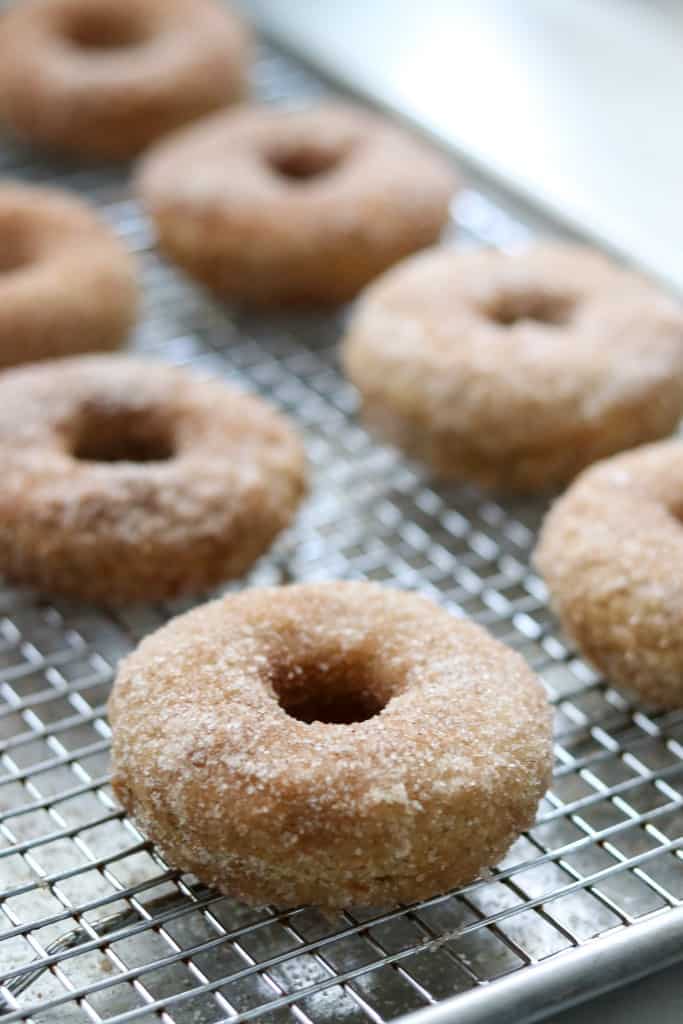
(67, 285)
(611, 552)
(332, 743)
(125, 479)
(104, 78)
(516, 369)
(273, 206)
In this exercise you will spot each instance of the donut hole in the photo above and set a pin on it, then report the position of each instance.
(513, 307)
(100, 28)
(15, 257)
(119, 435)
(333, 695)
(304, 162)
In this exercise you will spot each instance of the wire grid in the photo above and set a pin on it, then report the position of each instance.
(95, 926)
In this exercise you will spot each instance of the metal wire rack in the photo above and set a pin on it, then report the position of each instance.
(94, 926)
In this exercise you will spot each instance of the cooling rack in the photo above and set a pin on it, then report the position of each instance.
(94, 926)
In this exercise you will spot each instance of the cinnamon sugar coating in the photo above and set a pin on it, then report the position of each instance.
(104, 78)
(271, 206)
(611, 552)
(125, 479)
(429, 789)
(516, 369)
(67, 284)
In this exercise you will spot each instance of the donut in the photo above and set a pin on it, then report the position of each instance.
(274, 206)
(514, 370)
(329, 743)
(67, 285)
(104, 78)
(124, 479)
(611, 553)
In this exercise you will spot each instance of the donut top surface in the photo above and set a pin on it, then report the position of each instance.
(67, 284)
(611, 552)
(41, 225)
(131, 447)
(331, 169)
(554, 331)
(312, 706)
(622, 517)
(106, 77)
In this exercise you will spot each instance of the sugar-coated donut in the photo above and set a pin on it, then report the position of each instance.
(128, 479)
(332, 743)
(611, 552)
(274, 206)
(67, 285)
(106, 77)
(516, 369)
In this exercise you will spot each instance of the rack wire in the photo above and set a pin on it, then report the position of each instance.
(94, 926)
